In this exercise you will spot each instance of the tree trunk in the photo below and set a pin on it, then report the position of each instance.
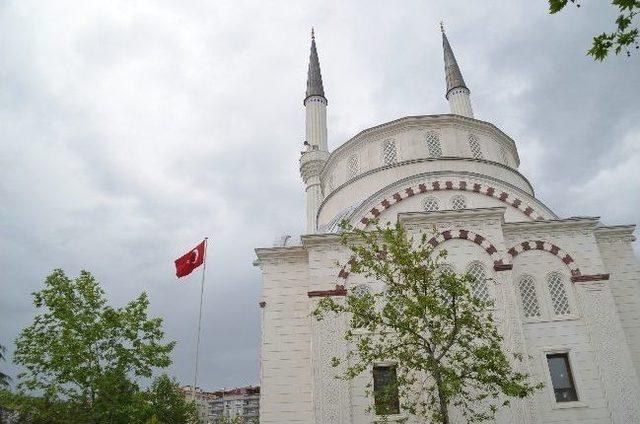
(444, 410)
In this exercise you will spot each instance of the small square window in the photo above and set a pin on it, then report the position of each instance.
(385, 390)
(561, 378)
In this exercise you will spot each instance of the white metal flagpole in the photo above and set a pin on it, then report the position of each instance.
(204, 270)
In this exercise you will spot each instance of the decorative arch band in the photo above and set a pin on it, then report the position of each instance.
(444, 185)
(547, 247)
(481, 241)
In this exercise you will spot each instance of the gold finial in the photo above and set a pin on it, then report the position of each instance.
(442, 26)
(313, 34)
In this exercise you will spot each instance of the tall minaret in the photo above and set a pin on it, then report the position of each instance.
(313, 159)
(457, 91)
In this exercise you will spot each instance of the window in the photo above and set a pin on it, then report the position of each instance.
(529, 297)
(458, 202)
(389, 154)
(479, 287)
(433, 144)
(361, 290)
(558, 293)
(446, 269)
(352, 166)
(474, 145)
(561, 378)
(385, 390)
(431, 204)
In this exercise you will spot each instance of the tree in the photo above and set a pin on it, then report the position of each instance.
(442, 340)
(167, 404)
(4, 378)
(83, 354)
(622, 39)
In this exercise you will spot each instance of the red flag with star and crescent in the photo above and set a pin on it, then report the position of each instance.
(186, 263)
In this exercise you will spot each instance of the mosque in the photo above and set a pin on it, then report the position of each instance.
(566, 290)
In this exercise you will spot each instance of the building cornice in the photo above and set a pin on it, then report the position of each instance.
(267, 254)
(421, 160)
(615, 233)
(461, 214)
(315, 240)
(574, 223)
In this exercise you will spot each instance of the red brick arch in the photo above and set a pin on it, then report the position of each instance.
(481, 241)
(546, 247)
(444, 185)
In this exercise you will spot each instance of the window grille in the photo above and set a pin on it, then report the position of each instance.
(474, 145)
(558, 292)
(446, 269)
(529, 297)
(458, 202)
(389, 153)
(479, 287)
(431, 204)
(361, 290)
(352, 166)
(433, 144)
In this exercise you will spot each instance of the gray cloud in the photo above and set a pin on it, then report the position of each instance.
(131, 130)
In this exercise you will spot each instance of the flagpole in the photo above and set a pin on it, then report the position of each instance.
(204, 270)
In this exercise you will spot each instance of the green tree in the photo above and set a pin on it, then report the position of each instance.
(167, 404)
(622, 39)
(442, 340)
(84, 355)
(4, 378)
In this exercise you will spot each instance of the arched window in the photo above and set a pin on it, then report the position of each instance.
(446, 269)
(558, 293)
(474, 145)
(529, 297)
(479, 287)
(389, 153)
(433, 144)
(361, 290)
(458, 202)
(352, 166)
(431, 204)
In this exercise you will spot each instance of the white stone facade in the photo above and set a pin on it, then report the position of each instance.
(559, 285)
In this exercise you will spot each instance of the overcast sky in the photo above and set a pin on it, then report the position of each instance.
(129, 130)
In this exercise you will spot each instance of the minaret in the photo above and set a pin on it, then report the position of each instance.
(457, 91)
(313, 159)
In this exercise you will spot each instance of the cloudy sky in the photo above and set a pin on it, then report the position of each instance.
(130, 130)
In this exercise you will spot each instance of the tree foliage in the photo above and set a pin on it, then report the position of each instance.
(4, 378)
(166, 403)
(622, 39)
(443, 341)
(84, 356)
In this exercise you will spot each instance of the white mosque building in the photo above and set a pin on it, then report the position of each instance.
(566, 290)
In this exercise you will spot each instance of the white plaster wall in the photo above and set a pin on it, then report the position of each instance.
(622, 264)
(567, 333)
(286, 383)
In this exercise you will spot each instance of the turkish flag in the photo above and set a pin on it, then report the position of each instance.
(190, 261)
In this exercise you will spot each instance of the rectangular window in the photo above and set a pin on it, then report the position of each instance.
(385, 390)
(561, 378)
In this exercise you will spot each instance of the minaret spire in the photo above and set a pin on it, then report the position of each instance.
(314, 158)
(457, 91)
(314, 76)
